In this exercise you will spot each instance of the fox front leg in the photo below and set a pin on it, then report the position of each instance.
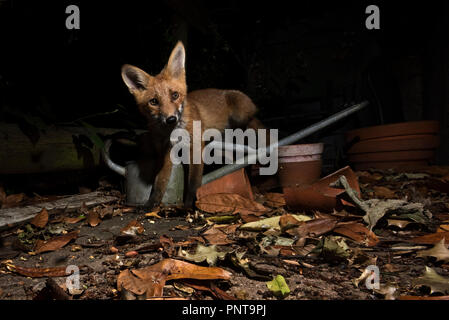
(161, 182)
(194, 182)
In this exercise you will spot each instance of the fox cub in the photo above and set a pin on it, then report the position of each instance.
(164, 102)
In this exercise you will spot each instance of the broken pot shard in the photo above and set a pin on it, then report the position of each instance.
(236, 182)
(319, 195)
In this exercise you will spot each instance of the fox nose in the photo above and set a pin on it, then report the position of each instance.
(171, 120)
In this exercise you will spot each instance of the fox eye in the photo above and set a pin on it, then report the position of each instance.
(154, 102)
(175, 95)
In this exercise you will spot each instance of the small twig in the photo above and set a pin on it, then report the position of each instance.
(352, 194)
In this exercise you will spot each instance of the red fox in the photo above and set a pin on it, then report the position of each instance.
(163, 100)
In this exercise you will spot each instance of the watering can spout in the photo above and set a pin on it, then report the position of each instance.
(112, 165)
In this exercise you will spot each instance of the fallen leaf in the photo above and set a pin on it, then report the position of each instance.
(389, 292)
(131, 254)
(153, 214)
(365, 274)
(217, 236)
(439, 251)
(287, 221)
(93, 218)
(133, 228)
(222, 219)
(334, 249)
(74, 220)
(383, 192)
(243, 263)
(270, 223)
(41, 219)
(275, 200)
(357, 232)
(183, 288)
(424, 298)
(208, 286)
(203, 253)
(292, 262)
(106, 212)
(182, 227)
(431, 238)
(443, 228)
(189, 241)
(13, 200)
(278, 286)
(230, 203)
(38, 272)
(434, 281)
(151, 280)
(313, 228)
(398, 223)
(376, 209)
(54, 243)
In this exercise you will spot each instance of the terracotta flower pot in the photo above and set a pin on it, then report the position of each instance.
(299, 164)
(400, 145)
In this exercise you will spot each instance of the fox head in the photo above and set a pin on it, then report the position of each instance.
(160, 97)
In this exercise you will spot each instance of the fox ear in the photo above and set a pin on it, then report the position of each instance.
(134, 78)
(175, 65)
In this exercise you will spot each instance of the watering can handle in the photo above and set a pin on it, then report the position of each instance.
(113, 166)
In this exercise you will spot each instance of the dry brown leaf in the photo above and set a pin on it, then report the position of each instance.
(208, 286)
(106, 212)
(230, 203)
(424, 298)
(153, 214)
(383, 192)
(41, 219)
(398, 223)
(38, 272)
(190, 240)
(287, 221)
(431, 238)
(313, 228)
(439, 251)
(54, 243)
(443, 228)
(73, 220)
(13, 200)
(151, 280)
(357, 232)
(133, 228)
(217, 235)
(181, 227)
(292, 262)
(93, 218)
(275, 200)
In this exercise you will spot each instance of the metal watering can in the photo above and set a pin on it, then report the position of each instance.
(137, 190)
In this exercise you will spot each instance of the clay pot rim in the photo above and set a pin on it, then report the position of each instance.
(394, 129)
(397, 143)
(301, 150)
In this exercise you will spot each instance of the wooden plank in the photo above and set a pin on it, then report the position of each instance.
(11, 216)
(54, 151)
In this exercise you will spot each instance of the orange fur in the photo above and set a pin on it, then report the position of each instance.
(219, 109)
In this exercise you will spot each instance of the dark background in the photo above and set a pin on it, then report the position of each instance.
(299, 60)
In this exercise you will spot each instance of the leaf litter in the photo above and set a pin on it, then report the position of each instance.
(232, 247)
